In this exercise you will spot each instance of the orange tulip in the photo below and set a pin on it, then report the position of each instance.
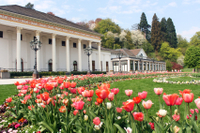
(170, 99)
(73, 84)
(49, 86)
(128, 105)
(137, 100)
(45, 96)
(8, 100)
(62, 109)
(30, 107)
(102, 93)
(184, 91)
(66, 84)
(99, 100)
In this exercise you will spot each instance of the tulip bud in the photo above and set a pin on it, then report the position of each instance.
(109, 105)
(176, 111)
(85, 117)
(176, 129)
(97, 127)
(118, 117)
(157, 118)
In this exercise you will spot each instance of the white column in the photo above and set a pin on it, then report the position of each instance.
(142, 65)
(90, 46)
(54, 51)
(28, 54)
(152, 66)
(37, 35)
(149, 66)
(128, 63)
(110, 64)
(18, 48)
(138, 65)
(99, 54)
(146, 66)
(133, 65)
(10, 49)
(67, 54)
(79, 56)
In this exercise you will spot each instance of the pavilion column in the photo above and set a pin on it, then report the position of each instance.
(142, 65)
(79, 56)
(152, 66)
(67, 54)
(138, 65)
(10, 49)
(133, 65)
(18, 48)
(54, 51)
(99, 55)
(37, 35)
(149, 66)
(90, 46)
(128, 63)
(146, 66)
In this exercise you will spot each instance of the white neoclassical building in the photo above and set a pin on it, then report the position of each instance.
(63, 42)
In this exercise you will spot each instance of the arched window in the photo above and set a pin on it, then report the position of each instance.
(75, 65)
(50, 65)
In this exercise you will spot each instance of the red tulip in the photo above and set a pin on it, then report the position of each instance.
(96, 121)
(30, 107)
(80, 90)
(158, 91)
(73, 84)
(27, 97)
(128, 105)
(73, 90)
(192, 111)
(102, 93)
(115, 90)
(184, 91)
(152, 125)
(139, 116)
(147, 104)
(62, 109)
(128, 92)
(99, 100)
(8, 100)
(142, 95)
(188, 97)
(179, 101)
(61, 87)
(119, 110)
(176, 117)
(49, 86)
(45, 96)
(197, 102)
(136, 100)
(66, 84)
(59, 81)
(75, 112)
(17, 83)
(170, 99)
(79, 105)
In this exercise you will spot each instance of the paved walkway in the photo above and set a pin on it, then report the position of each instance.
(12, 81)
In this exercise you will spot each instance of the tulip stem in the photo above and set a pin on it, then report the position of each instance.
(179, 110)
(159, 101)
(171, 113)
(188, 109)
(147, 115)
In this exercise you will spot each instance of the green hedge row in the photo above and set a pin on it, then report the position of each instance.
(17, 74)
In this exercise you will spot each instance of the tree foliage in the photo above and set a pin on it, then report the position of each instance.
(168, 53)
(137, 38)
(171, 33)
(148, 48)
(195, 40)
(156, 33)
(29, 5)
(182, 44)
(168, 65)
(192, 57)
(144, 27)
(180, 60)
(163, 25)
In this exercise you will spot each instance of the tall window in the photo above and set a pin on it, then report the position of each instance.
(131, 65)
(50, 41)
(84, 46)
(21, 37)
(74, 45)
(1, 34)
(93, 65)
(63, 43)
(50, 65)
(136, 65)
(107, 66)
(75, 65)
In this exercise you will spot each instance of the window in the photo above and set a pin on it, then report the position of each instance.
(63, 43)
(75, 65)
(1, 34)
(50, 41)
(84, 46)
(21, 37)
(74, 45)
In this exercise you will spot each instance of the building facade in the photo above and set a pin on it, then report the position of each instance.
(63, 42)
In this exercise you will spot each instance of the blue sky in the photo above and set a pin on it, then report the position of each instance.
(184, 13)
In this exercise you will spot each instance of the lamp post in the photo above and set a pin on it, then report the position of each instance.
(119, 55)
(88, 52)
(35, 45)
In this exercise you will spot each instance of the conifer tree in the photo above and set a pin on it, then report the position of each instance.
(171, 33)
(163, 25)
(156, 33)
(143, 26)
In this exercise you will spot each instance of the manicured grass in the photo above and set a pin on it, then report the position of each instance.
(187, 70)
(148, 85)
(183, 79)
(7, 91)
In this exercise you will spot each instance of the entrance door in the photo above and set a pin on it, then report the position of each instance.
(75, 65)
(93, 65)
(50, 65)
(107, 66)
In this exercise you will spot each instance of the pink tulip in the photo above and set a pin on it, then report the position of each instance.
(142, 95)
(111, 96)
(119, 110)
(147, 104)
(176, 117)
(19, 87)
(96, 121)
(78, 105)
(115, 90)
(158, 91)
(196, 110)
(188, 97)
(179, 101)
(197, 102)
(129, 92)
(192, 111)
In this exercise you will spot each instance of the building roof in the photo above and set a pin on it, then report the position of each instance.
(43, 16)
(95, 46)
(135, 51)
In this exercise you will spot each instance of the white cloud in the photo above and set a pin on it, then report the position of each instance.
(172, 4)
(129, 2)
(81, 9)
(75, 19)
(45, 5)
(116, 21)
(189, 33)
(19, 2)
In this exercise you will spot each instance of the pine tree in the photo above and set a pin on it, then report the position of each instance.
(171, 33)
(163, 25)
(156, 33)
(144, 26)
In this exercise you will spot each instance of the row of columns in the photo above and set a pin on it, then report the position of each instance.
(37, 34)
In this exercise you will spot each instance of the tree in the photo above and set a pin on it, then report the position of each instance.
(83, 23)
(107, 25)
(147, 47)
(195, 40)
(137, 38)
(182, 44)
(29, 5)
(192, 57)
(168, 65)
(163, 25)
(144, 27)
(129, 40)
(180, 60)
(156, 33)
(171, 33)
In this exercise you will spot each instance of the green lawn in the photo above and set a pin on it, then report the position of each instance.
(183, 79)
(7, 91)
(187, 70)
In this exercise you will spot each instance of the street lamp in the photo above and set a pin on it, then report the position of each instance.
(119, 55)
(88, 52)
(35, 45)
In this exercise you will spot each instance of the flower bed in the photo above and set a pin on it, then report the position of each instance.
(65, 104)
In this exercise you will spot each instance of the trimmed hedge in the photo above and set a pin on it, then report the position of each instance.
(18, 74)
